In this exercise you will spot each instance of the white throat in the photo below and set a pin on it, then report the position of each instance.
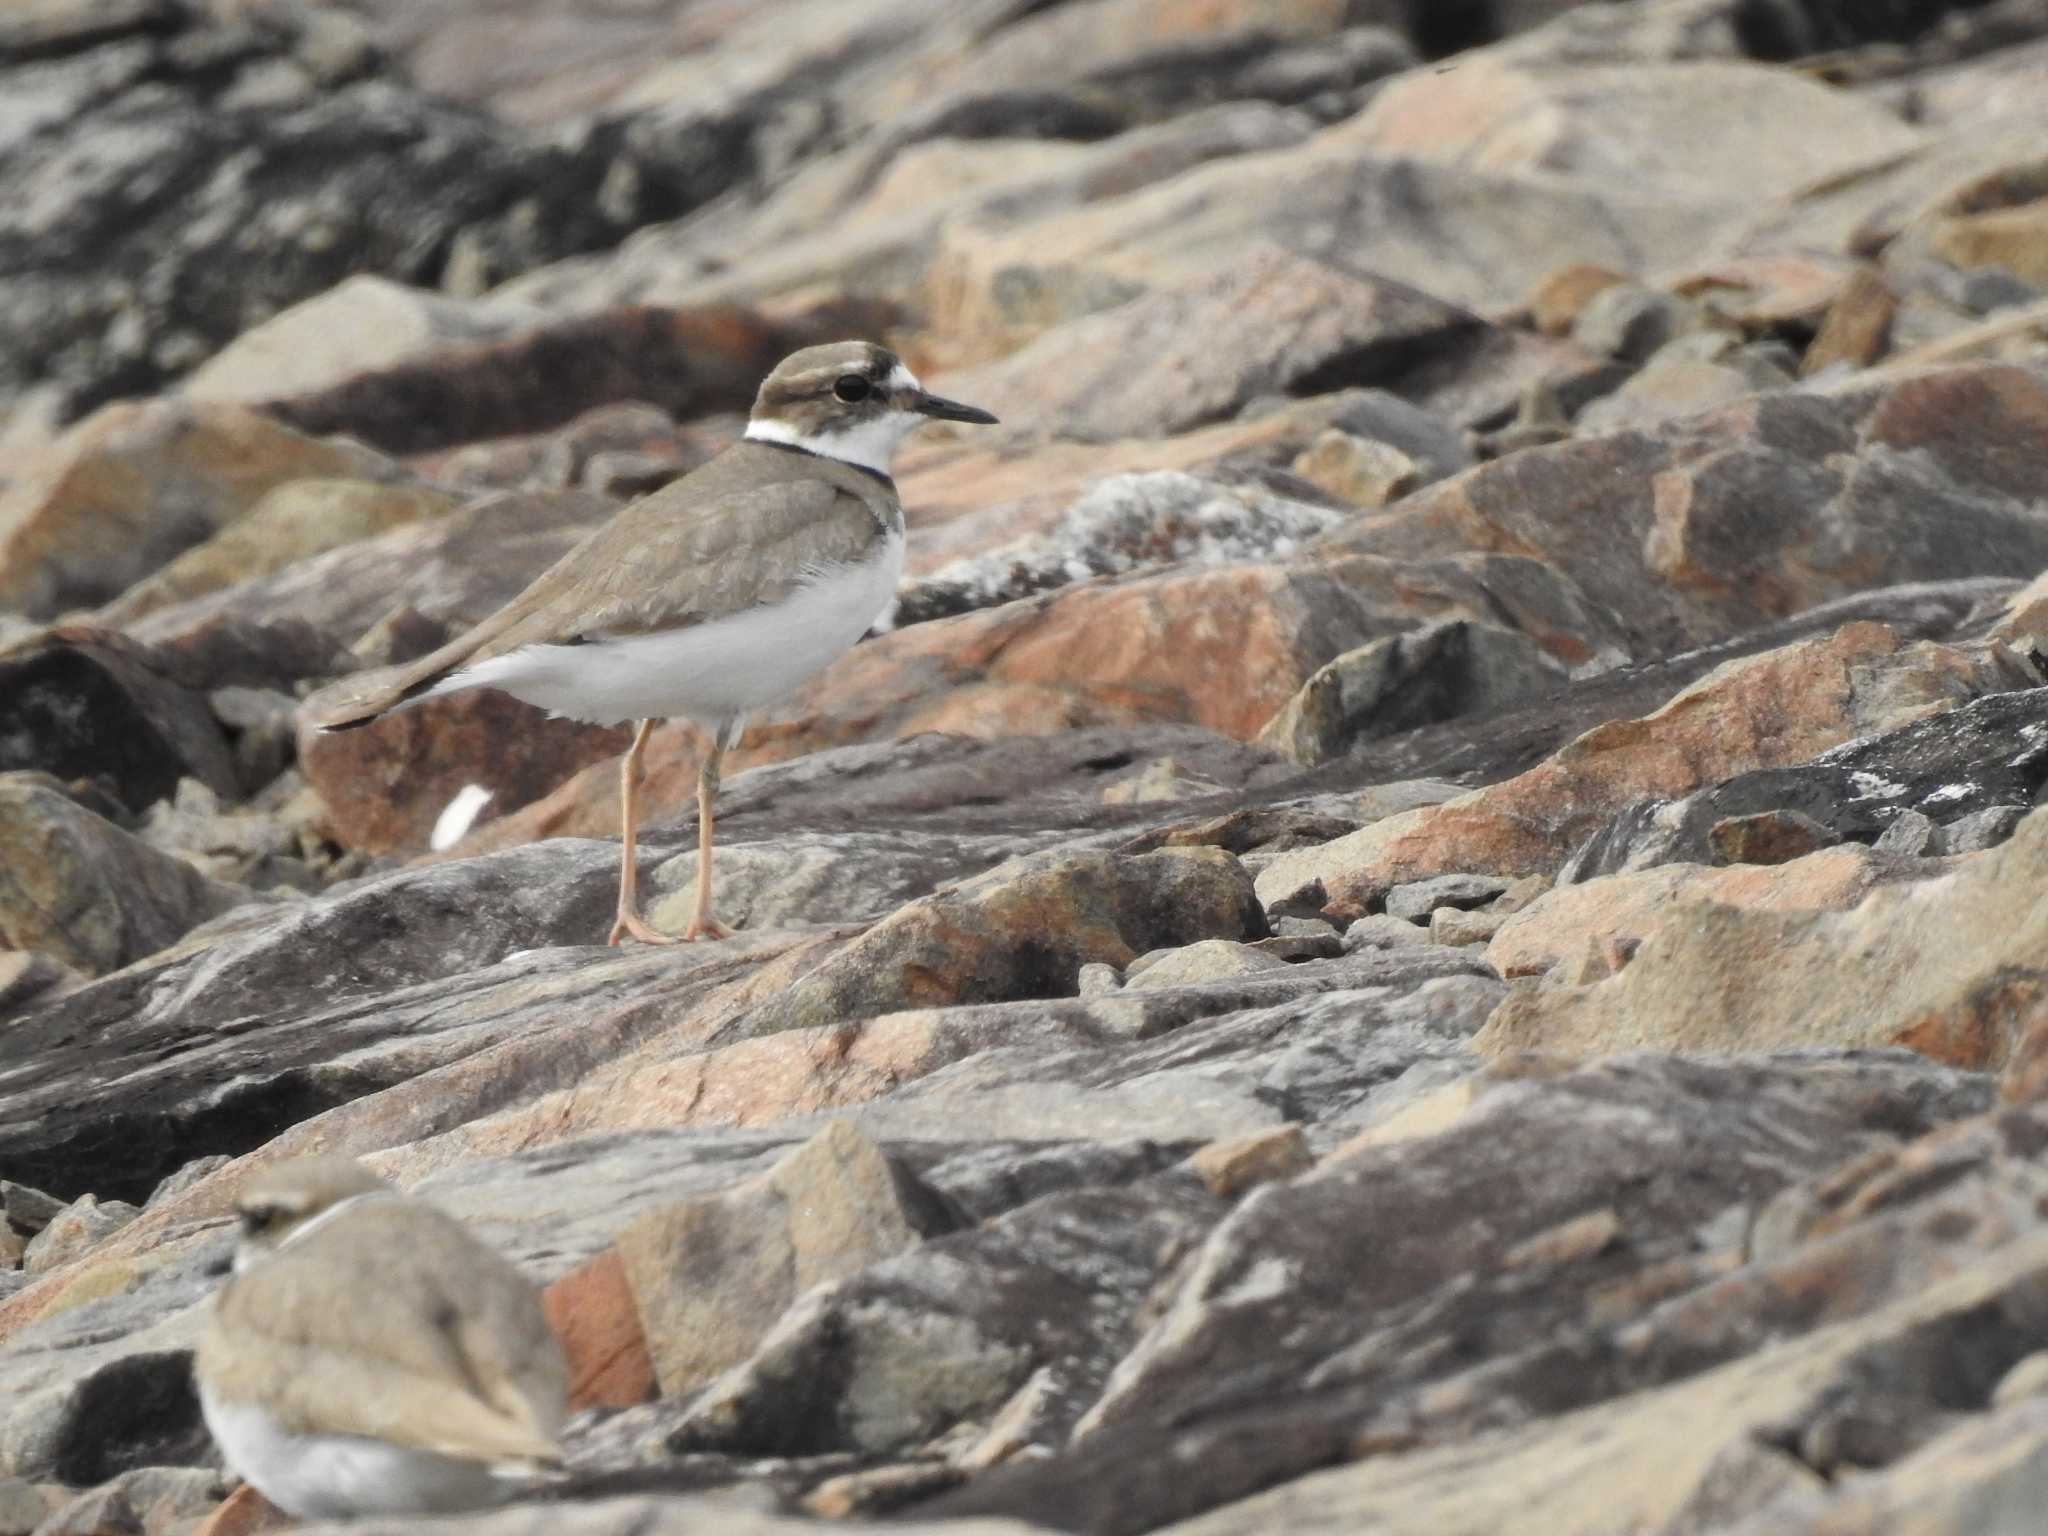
(871, 445)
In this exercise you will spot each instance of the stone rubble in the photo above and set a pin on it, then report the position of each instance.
(1426, 915)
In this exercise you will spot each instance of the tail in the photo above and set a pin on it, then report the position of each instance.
(365, 697)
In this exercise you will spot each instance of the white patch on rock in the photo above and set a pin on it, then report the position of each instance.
(458, 816)
(1948, 792)
(1127, 523)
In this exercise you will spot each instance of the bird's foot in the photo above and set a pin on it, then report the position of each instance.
(631, 924)
(705, 926)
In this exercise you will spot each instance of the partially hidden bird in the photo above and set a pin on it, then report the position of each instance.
(371, 1356)
(709, 598)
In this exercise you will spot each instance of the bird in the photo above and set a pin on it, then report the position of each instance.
(706, 599)
(370, 1356)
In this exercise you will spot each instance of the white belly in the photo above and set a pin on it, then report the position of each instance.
(337, 1477)
(710, 673)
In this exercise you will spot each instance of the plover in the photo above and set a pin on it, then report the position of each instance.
(709, 598)
(371, 1357)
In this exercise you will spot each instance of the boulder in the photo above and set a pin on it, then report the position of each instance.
(135, 484)
(86, 893)
(710, 1276)
(82, 703)
(1782, 707)
(1949, 966)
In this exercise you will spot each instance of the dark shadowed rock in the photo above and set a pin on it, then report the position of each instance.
(88, 704)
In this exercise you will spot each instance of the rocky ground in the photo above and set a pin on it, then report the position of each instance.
(1430, 916)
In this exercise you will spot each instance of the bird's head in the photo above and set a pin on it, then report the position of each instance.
(852, 401)
(287, 1201)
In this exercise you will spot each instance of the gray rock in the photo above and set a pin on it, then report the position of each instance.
(917, 1344)
(114, 289)
(1630, 322)
(1192, 964)
(648, 1515)
(821, 877)
(1416, 900)
(75, 1229)
(708, 1277)
(88, 894)
(1911, 833)
(1392, 685)
(28, 1210)
(146, 1499)
(1380, 930)
(1257, 1368)
(1950, 764)
(1981, 829)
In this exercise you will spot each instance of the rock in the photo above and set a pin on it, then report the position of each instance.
(1597, 125)
(1394, 684)
(1023, 930)
(1454, 926)
(28, 1210)
(86, 703)
(2014, 239)
(363, 324)
(1379, 931)
(1274, 324)
(1940, 965)
(1356, 469)
(823, 878)
(1629, 322)
(624, 1516)
(709, 1277)
(75, 1229)
(1558, 300)
(593, 1312)
(405, 589)
(1768, 837)
(1122, 524)
(1232, 1166)
(246, 1512)
(24, 1506)
(1528, 1156)
(296, 520)
(146, 1500)
(1695, 530)
(134, 485)
(383, 787)
(1618, 911)
(1858, 325)
(1207, 960)
(1782, 707)
(290, 186)
(1417, 900)
(87, 893)
(1982, 829)
(947, 1332)
(26, 975)
(1911, 833)
(1955, 761)
(1667, 390)
(684, 362)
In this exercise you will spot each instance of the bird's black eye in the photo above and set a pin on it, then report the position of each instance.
(260, 1218)
(852, 387)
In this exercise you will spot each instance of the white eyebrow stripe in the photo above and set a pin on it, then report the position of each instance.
(903, 378)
